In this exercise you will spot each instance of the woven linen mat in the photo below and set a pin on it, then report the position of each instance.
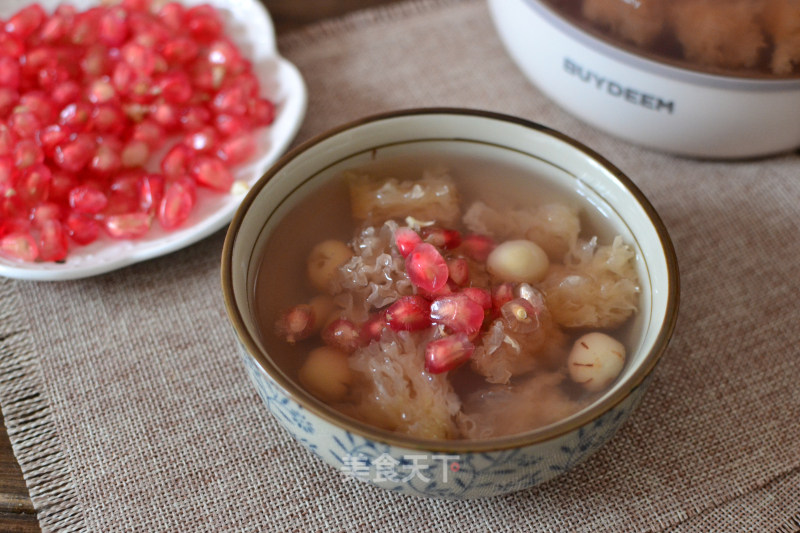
(129, 409)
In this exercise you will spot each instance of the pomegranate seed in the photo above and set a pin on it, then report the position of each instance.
(477, 247)
(458, 313)
(128, 225)
(19, 245)
(25, 21)
(479, 295)
(24, 123)
(135, 154)
(74, 155)
(180, 50)
(175, 87)
(46, 211)
(458, 271)
(262, 111)
(447, 353)
(231, 100)
(82, 228)
(193, 118)
(151, 190)
(8, 100)
(409, 313)
(176, 205)
(34, 184)
(441, 237)
(51, 136)
(10, 45)
(342, 334)
(54, 29)
(203, 23)
(166, 115)
(230, 125)
(296, 324)
(223, 52)
(76, 116)
(426, 268)
(52, 241)
(238, 149)
(406, 239)
(113, 29)
(372, 329)
(211, 172)
(171, 15)
(106, 161)
(8, 172)
(8, 139)
(100, 91)
(178, 161)
(27, 153)
(123, 196)
(11, 205)
(14, 225)
(107, 119)
(87, 199)
(203, 140)
(502, 294)
(150, 132)
(60, 186)
(140, 58)
(40, 105)
(65, 92)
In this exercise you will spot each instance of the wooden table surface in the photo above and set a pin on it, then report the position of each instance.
(16, 510)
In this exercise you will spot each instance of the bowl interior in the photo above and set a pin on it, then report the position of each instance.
(607, 197)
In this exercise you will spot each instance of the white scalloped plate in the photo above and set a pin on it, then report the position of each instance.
(249, 25)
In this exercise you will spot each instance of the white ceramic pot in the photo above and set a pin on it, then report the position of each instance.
(463, 468)
(643, 101)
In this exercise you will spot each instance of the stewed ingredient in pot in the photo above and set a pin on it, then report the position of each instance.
(442, 320)
(723, 36)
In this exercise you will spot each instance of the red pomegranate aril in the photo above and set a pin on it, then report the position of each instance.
(123, 195)
(87, 199)
(372, 329)
(106, 161)
(19, 245)
(10, 46)
(8, 172)
(83, 229)
(409, 313)
(479, 295)
(342, 334)
(180, 50)
(204, 140)
(296, 324)
(27, 153)
(46, 211)
(193, 118)
(448, 353)
(65, 92)
(165, 115)
(34, 184)
(53, 243)
(9, 225)
(100, 91)
(8, 100)
(11, 205)
(231, 100)
(10, 72)
(459, 271)
(206, 76)
(175, 87)
(150, 132)
(40, 104)
(426, 268)
(178, 161)
(25, 21)
(171, 15)
(151, 191)
(203, 23)
(176, 204)
(135, 154)
(51, 136)
(458, 313)
(406, 239)
(54, 29)
(74, 155)
(211, 172)
(107, 119)
(231, 125)
(128, 225)
(8, 139)
(113, 28)
(238, 149)
(477, 247)
(441, 237)
(24, 123)
(60, 185)
(76, 116)
(140, 58)
(502, 294)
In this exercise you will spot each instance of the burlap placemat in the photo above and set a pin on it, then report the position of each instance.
(129, 410)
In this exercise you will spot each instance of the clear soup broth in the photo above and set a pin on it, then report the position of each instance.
(351, 304)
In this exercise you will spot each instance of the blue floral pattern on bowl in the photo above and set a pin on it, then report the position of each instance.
(436, 474)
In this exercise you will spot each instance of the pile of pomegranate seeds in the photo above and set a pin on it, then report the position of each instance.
(87, 102)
